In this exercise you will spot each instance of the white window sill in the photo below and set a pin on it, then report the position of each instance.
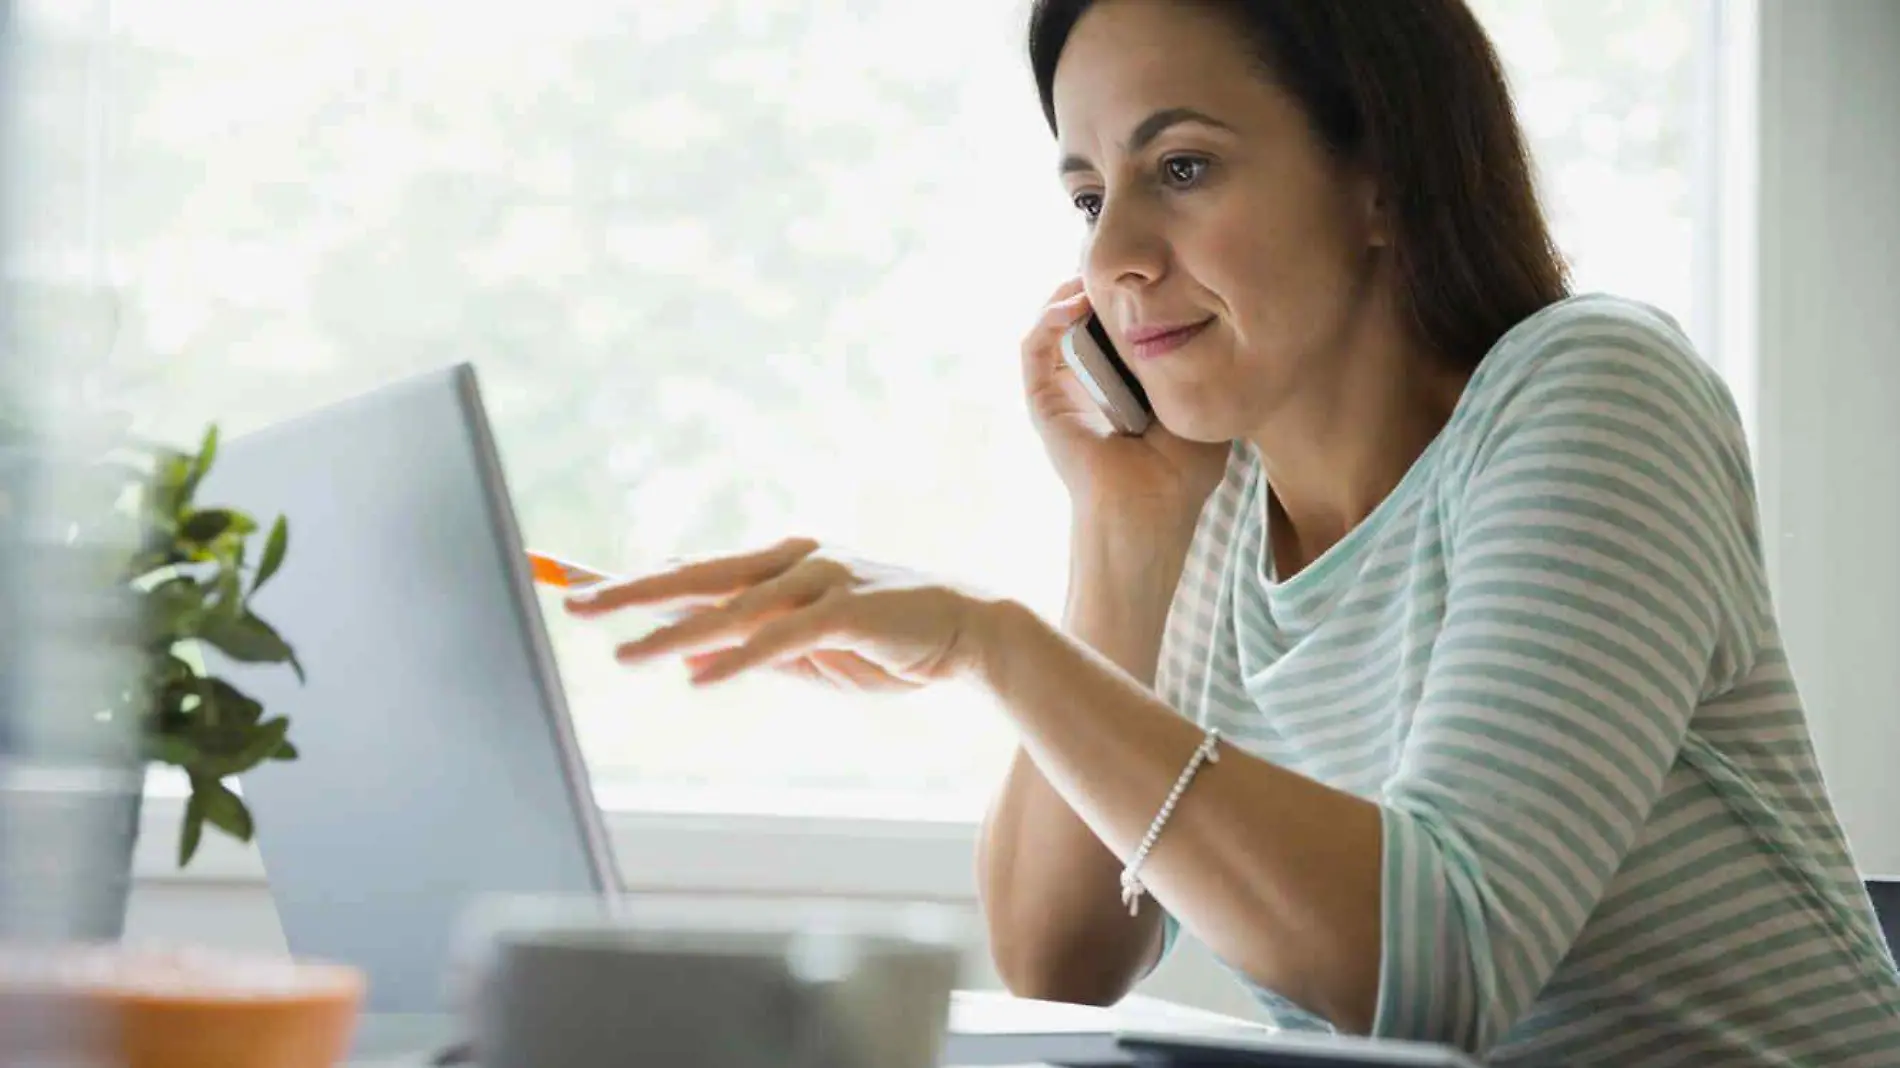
(677, 852)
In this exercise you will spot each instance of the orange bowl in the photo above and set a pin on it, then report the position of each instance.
(148, 1008)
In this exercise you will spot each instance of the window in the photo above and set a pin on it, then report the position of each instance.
(729, 269)
(1609, 97)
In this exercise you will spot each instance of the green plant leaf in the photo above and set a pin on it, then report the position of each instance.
(167, 679)
(190, 573)
(173, 749)
(274, 548)
(200, 464)
(230, 591)
(194, 827)
(149, 561)
(173, 610)
(172, 666)
(233, 704)
(224, 809)
(202, 526)
(206, 525)
(217, 740)
(170, 471)
(238, 749)
(168, 715)
(245, 638)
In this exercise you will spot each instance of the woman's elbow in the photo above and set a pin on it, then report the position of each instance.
(1045, 977)
(1035, 962)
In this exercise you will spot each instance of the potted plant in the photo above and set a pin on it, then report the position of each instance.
(194, 574)
(117, 583)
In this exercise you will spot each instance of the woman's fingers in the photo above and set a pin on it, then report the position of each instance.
(835, 668)
(718, 577)
(1069, 307)
(729, 623)
(791, 635)
(849, 671)
(1066, 290)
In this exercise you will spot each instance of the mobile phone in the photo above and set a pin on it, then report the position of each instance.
(1093, 359)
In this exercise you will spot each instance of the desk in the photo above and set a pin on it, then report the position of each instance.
(991, 1030)
(988, 1030)
(423, 1062)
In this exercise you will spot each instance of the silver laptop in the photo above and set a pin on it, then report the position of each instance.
(438, 763)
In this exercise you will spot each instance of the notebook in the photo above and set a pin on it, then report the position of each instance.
(993, 1029)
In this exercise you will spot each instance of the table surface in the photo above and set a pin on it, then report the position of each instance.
(393, 1041)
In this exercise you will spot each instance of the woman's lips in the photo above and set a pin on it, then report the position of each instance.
(1150, 342)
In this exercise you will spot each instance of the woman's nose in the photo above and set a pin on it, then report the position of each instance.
(1126, 249)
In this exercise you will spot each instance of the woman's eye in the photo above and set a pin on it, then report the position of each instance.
(1090, 204)
(1183, 170)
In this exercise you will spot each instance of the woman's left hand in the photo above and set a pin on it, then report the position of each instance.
(796, 607)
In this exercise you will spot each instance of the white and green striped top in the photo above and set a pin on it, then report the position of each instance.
(1550, 657)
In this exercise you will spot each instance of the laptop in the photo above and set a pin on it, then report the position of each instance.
(438, 761)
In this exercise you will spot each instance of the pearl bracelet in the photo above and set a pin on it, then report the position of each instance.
(1132, 889)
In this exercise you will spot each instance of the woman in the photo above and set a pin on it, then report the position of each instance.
(1421, 662)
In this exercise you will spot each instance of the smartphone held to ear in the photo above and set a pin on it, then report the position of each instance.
(1092, 358)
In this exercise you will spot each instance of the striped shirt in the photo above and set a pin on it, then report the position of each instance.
(1550, 657)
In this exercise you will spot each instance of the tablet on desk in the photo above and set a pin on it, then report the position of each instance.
(993, 1029)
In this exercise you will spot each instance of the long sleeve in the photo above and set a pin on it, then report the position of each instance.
(1602, 575)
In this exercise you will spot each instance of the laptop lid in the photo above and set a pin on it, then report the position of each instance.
(438, 762)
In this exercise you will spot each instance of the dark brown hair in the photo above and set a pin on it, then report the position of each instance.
(1413, 90)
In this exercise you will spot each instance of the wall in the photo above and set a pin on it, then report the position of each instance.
(1827, 291)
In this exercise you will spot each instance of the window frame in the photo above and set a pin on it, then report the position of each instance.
(775, 856)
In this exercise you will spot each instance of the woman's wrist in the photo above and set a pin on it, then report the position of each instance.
(1122, 579)
(1122, 565)
(1135, 557)
(1143, 523)
(997, 632)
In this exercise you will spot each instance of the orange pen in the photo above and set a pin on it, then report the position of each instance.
(562, 574)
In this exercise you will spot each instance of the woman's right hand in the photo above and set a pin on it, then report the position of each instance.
(1159, 476)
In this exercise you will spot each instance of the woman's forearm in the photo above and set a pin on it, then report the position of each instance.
(1050, 894)
(1121, 586)
(1278, 873)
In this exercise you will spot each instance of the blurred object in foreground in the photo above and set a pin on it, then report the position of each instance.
(71, 772)
(80, 1007)
(585, 983)
(70, 778)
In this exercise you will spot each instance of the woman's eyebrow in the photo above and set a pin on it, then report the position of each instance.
(1146, 131)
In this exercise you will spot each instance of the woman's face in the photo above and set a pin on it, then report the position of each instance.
(1229, 254)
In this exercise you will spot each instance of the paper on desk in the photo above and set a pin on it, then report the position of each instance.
(984, 1012)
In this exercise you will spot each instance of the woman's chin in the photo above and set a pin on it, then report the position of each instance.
(1196, 423)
